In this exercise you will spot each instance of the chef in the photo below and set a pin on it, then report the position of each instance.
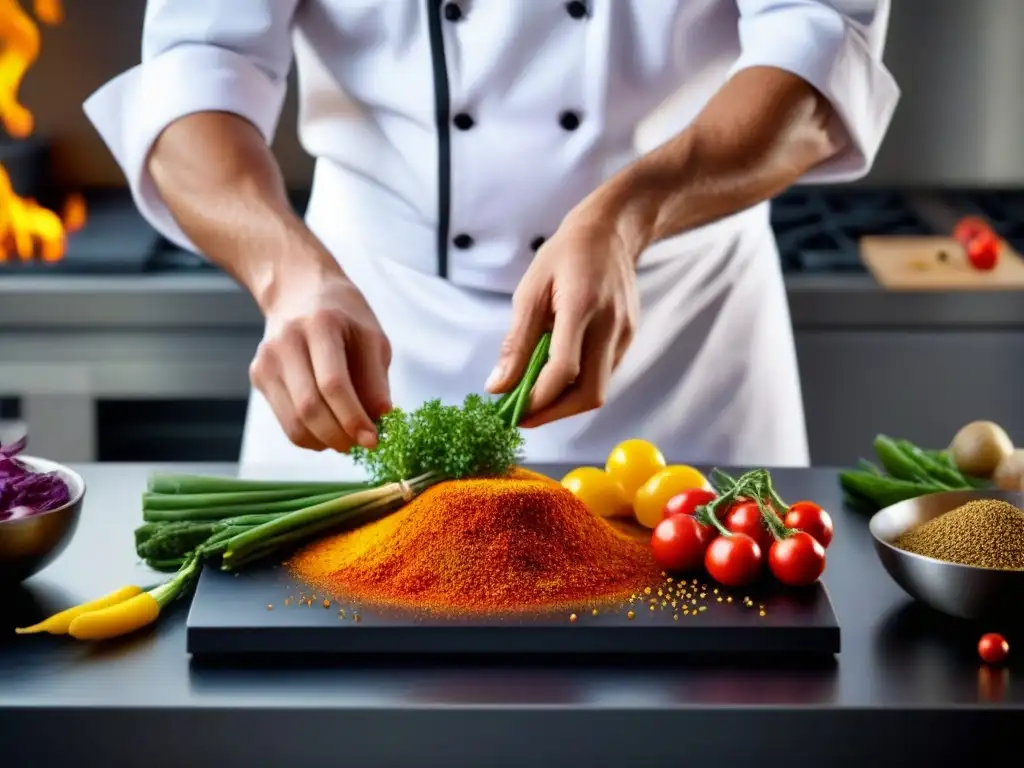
(487, 170)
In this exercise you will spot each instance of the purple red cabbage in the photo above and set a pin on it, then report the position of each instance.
(24, 492)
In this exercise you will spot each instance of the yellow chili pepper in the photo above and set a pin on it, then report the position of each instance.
(116, 620)
(58, 623)
(132, 614)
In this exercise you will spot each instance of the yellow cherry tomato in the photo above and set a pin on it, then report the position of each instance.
(650, 500)
(598, 491)
(632, 463)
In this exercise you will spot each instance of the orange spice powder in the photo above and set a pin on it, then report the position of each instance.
(514, 544)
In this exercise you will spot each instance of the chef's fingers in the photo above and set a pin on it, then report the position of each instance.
(265, 375)
(368, 361)
(563, 365)
(334, 386)
(305, 389)
(590, 389)
(529, 316)
(280, 401)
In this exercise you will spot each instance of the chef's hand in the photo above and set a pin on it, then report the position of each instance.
(581, 286)
(323, 363)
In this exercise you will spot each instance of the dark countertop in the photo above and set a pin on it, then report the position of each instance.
(905, 677)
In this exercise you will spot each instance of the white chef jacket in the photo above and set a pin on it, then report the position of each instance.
(452, 137)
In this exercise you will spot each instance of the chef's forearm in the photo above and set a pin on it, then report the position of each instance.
(757, 136)
(224, 188)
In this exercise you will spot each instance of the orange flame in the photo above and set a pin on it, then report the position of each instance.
(27, 229)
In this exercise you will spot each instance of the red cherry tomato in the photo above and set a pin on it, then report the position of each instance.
(708, 533)
(808, 517)
(745, 517)
(968, 228)
(734, 560)
(797, 560)
(686, 502)
(983, 251)
(993, 648)
(678, 543)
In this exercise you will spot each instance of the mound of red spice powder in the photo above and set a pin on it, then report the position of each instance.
(521, 543)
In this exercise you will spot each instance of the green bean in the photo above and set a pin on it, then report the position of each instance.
(934, 469)
(884, 491)
(896, 462)
(866, 466)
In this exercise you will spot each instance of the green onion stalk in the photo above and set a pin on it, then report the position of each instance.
(210, 507)
(287, 530)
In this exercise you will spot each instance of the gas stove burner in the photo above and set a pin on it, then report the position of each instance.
(819, 229)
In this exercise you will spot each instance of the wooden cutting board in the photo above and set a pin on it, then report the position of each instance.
(917, 264)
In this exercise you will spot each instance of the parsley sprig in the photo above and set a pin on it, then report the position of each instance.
(479, 438)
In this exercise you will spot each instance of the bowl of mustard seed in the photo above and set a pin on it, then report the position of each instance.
(960, 552)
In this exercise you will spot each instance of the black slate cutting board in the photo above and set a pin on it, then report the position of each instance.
(247, 614)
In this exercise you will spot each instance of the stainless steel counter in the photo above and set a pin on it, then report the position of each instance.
(906, 689)
(913, 364)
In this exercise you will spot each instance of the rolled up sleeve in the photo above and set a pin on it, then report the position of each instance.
(836, 46)
(197, 56)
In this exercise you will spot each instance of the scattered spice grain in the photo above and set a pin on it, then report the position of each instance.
(986, 533)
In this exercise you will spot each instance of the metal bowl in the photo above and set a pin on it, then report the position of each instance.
(959, 590)
(29, 544)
